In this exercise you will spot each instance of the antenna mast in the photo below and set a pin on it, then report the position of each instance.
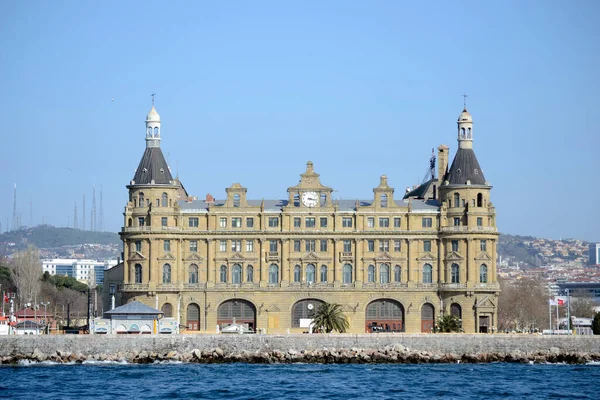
(15, 216)
(93, 219)
(101, 213)
(83, 212)
(75, 222)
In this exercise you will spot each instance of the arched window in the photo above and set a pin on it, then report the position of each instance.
(483, 270)
(384, 273)
(130, 222)
(397, 274)
(462, 132)
(310, 273)
(323, 273)
(371, 274)
(236, 200)
(304, 309)
(427, 317)
(456, 310)
(166, 273)
(236, 274)
(347, 274)
(141, 200)
(323, 199)
(296, 200)
(456, 200)
(273, 274)
(167, 309)
(469, 133)
(249, 273)
(138, 273)
(223, 274)
(427, 273)
(156, 132)
(455, 273)
(383, 200)
(193, 317)
(193, 274)
(149, 134)
(479, 200)
(164, 200)
(297, 272)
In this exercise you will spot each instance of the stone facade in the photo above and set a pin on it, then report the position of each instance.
(395, 263)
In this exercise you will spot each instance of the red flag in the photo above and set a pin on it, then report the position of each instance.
(561, 302)
(6, 298)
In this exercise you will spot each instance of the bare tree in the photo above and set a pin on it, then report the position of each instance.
(523, 305)
(27, 271)
(582, 304)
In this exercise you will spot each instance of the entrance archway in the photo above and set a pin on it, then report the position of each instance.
(427, 318)
(240, 311)
(384, 315)
(193, 317)
(303, 310)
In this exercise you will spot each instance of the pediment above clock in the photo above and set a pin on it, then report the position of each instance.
(454, 256)
(483, 256)
(167, 257)
(427, 257)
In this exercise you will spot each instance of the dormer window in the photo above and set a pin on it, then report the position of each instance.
(383, 200)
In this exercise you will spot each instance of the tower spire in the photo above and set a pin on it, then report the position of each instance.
(464, 101)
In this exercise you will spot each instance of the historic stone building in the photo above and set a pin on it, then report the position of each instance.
(395, 263)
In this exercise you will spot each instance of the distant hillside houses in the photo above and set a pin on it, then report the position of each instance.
(90, 272)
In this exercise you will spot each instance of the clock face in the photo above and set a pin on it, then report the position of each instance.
(310, 199)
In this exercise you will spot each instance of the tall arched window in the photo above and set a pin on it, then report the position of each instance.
(462, 132)
(141, 200)
(323, 273)
(397, 274)
(427, 273)
(297, 272)
(166, 273)
(273, 274)
(138, 273)
(456, 310)
(383, 200)
(296, 200)
(164, 200)
(223, 274)
(236, 200)
(249, 273)
(347, 274)
(167, 309)
(456, 200)
(310, 273)
(384, 273)
(469, 133)
(455, 273)
(193, 274)
(156, 132)
(479, 200)
(483, 273)
(149, 133)
(236, 274)
(371, 274)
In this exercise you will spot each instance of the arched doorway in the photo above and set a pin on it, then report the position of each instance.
(240, 311)
(304, 310)
(193, 317)
(427, 318)
(384, 315)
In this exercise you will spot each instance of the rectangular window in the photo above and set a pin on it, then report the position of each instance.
(347, 246)
(236, 222)
(223, 222)
(483, 245)
(273, 246)
(323, 245)
(455, 245)
(384, 222)
(236, 245)
(249, 246)
(138, 245)
(141, 221)
(370, 222)
(273, 222)
(193, 246)
(426, 222)
(310, 245)
(193, 222)
(297, 222)
(426, 245)
(456, 221)
(347, 222)
(479, 221)
(397, 222)
(167, 245)
(296, 245)
(310, 222)
(384, 245)
(249, 222)
(370, 245)
(323, 222)
(163, 221)
(397, 245)
(223, 245)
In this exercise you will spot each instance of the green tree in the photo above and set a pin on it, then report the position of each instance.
(448, 323)
(329, 317)
(596, 324)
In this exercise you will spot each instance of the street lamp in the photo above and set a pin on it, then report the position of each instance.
(46, 304)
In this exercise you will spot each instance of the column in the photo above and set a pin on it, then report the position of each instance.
(469, 263)
(285, 264)
(357, 259)
(442, 277)
(264, 276)
(409, 263)
(210, 262)
(336, 262)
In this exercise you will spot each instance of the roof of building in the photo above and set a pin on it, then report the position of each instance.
(420, 191)
(134, 308)
(465, 167)
(153, 169)
(153, 115)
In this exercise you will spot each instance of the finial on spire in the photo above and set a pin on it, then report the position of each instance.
(464, 101)
(153, 95)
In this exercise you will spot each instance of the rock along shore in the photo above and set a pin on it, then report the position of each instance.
(329, 349)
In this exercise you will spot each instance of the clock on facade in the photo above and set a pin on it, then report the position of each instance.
(310, 199)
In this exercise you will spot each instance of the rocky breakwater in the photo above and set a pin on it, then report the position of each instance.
(396, 354)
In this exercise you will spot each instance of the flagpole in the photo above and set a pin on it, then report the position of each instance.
(550, 311)
(557, 327)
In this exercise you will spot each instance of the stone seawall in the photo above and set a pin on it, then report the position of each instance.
(338, 348)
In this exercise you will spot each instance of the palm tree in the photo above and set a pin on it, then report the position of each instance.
(329, 317)
(448, 323)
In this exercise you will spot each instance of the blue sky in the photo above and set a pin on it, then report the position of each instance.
(250, 91)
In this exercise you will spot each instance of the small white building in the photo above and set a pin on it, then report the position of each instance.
(90, 271)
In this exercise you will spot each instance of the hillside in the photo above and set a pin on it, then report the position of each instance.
(46, 236)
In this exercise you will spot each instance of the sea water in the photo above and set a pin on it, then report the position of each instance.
(298, 381)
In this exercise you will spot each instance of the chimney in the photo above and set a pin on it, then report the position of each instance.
(442, 159)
